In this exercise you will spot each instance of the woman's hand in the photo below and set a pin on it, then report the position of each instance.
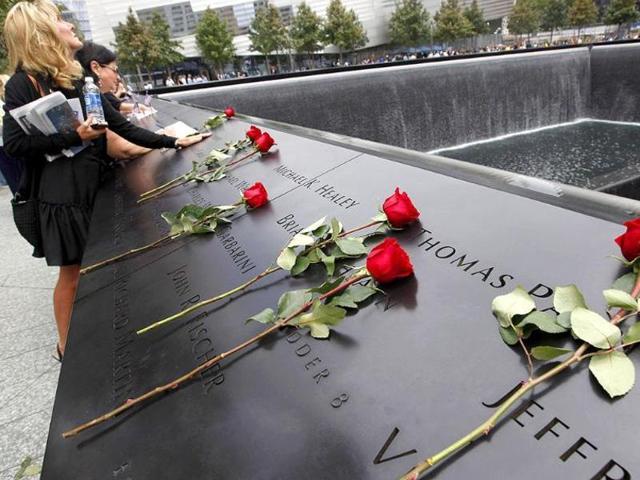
(86, 132)
(191, 139)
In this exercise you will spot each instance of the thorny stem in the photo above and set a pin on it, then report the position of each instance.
(208, 364)
(271, 269)
(135, 251)
(182, 180)
(209, 301)
(485, 428)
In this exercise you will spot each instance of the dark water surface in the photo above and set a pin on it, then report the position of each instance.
(589, 153)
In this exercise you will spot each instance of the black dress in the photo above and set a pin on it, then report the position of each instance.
(66, 187)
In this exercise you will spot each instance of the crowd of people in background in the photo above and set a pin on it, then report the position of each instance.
(252, 69)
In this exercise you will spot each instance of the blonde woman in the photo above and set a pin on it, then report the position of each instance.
(41, 49)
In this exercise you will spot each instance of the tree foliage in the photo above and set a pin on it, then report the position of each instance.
(451, 24)
(622, 12)
(306, 30)
(410, 23)
(525, 18)
(475, 15)
(553, 15)
(5, 6)
(343, 29)
(168, 49)
(135, 44)
(214, 40)
(267, 33)
(582, 13)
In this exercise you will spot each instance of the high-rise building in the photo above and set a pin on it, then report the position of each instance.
(78, 8)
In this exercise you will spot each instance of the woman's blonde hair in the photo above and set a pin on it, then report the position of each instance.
(31, 37)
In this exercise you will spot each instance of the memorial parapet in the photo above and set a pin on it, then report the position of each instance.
(401, 379)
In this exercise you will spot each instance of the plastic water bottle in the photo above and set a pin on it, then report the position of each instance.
(92, 102)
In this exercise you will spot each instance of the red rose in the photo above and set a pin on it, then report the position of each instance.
(264, 142)
(630, 240)
(388, 262)
(253, 133)
(256, 195)
(229, 112)
(399, 209)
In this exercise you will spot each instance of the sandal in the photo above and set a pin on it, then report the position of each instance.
(58, 354)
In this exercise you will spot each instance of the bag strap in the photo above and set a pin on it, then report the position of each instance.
(36, 85)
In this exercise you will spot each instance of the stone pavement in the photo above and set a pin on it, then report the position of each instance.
(28, 373)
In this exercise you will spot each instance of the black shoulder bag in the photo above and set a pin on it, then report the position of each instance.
(24, 204)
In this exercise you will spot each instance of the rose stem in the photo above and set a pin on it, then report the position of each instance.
(160, 187)
(208, 364)
(134, 251)
(485, 428)
(144, 197)
(271, 269)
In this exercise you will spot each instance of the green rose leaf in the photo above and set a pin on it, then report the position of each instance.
(302, 263)
(508, 335)
(329, 262)
(313, 256)
(314, 226)
(321, 318)
(614, 372)
(380, 217)
(287, 259)
(568, 298)
(214, 122)
(633, 334)
(593, 329)
(505, 307)
(564, 320)
(544, 321)
(625, 283)
(216, 155)
(620, 299)
(343, 300)
(265, 316)
(360, 293)
(548, 353)
(321, 231)
(289, 302)
(327, 286)
(336, 228)
(301, 240)
(351, 246)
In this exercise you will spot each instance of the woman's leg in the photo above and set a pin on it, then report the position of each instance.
(64, 295)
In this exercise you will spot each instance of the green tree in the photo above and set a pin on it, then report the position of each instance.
(451, 24)
(525, 17)
(5, 6)
(553, 15)
(135, 45)
(168, 53)
(306, 30)
(410, 23)
(475, 15)
(622, 12)
(582, 13)
(267, 33)
(343, 29)
(214, 40)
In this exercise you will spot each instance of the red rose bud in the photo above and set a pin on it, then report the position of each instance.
(256, 195)
(229, 112)
(264, 142)
(630, 240)
(253, 133)
(400, 210)
(388, 262)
